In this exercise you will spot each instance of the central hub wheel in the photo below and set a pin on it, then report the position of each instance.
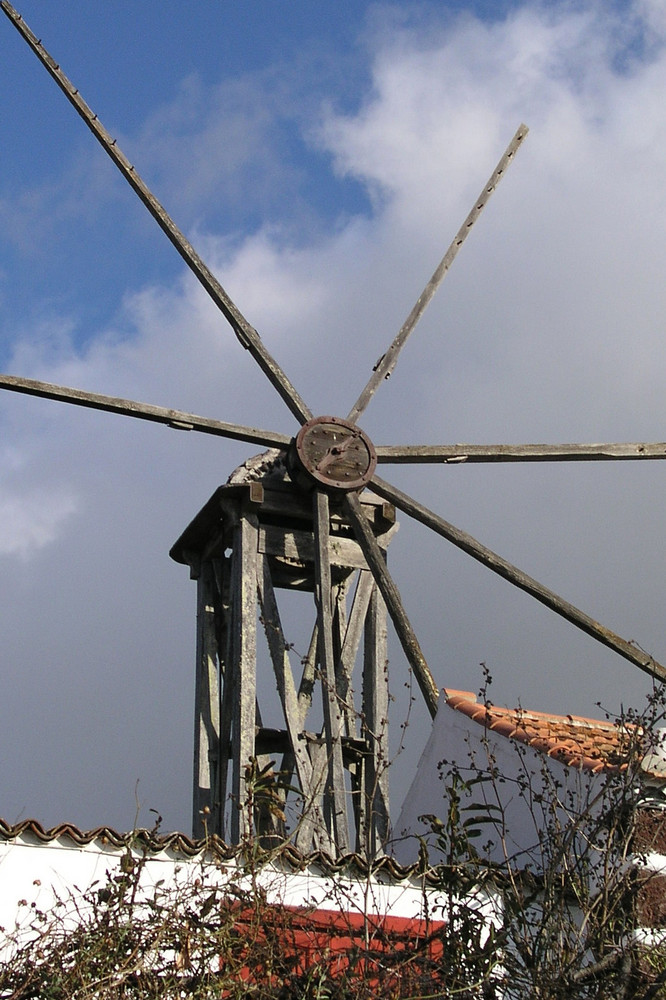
(333, 453)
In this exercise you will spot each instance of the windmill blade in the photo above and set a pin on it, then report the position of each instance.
(387, 362)
(406, 454)
(144, 411)
(377, 564)
(245, 333)
(505, 569)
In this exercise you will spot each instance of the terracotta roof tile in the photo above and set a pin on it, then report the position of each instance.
(593, 744)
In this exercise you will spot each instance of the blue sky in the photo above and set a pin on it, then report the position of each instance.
(321, 156)
(269, 72)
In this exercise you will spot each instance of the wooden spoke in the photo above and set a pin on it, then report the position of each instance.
(503, 568)
(333, 710)
(467, 453)
(144, 411)
(387, 362)
(377, 564)
(245, 333)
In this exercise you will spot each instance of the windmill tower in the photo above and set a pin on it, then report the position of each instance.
(315, 519)
(259, 535)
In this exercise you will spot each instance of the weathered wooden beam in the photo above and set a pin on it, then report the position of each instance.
(387, 362)
(470, 453)
(300, 545)
(206, 805)
(144, 411)
(287, 506)
(390, 593)
(354, 716)
(227, 680)
(244, 666)
(305, 693)
(521, 580)
(275, 741)
(306, 685)
(339, 610)
(333, 713)
(375, 721)
(245, 333)
(311, 829)
(351, 643)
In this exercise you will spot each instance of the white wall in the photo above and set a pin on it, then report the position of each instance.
(35, 875)
(521, 776)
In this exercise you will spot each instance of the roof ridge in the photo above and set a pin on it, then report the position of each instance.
(456, 698)
(591, 744)
(152, 842)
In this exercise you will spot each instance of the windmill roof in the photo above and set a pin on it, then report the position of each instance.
(592, 744)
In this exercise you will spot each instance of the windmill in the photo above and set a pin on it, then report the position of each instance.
(314, 517)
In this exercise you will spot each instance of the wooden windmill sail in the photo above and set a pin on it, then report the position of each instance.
(317, 519)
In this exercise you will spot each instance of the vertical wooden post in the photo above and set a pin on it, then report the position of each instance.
(243, 664)
(375, 712)
(206, 800)
(225, 656)
(336, 792)
(353, 716)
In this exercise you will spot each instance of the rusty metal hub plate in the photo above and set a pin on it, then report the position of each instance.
(334, 453)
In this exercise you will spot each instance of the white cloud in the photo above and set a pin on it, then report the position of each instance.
(33, 520)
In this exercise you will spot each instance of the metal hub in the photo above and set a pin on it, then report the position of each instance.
(333, 453)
